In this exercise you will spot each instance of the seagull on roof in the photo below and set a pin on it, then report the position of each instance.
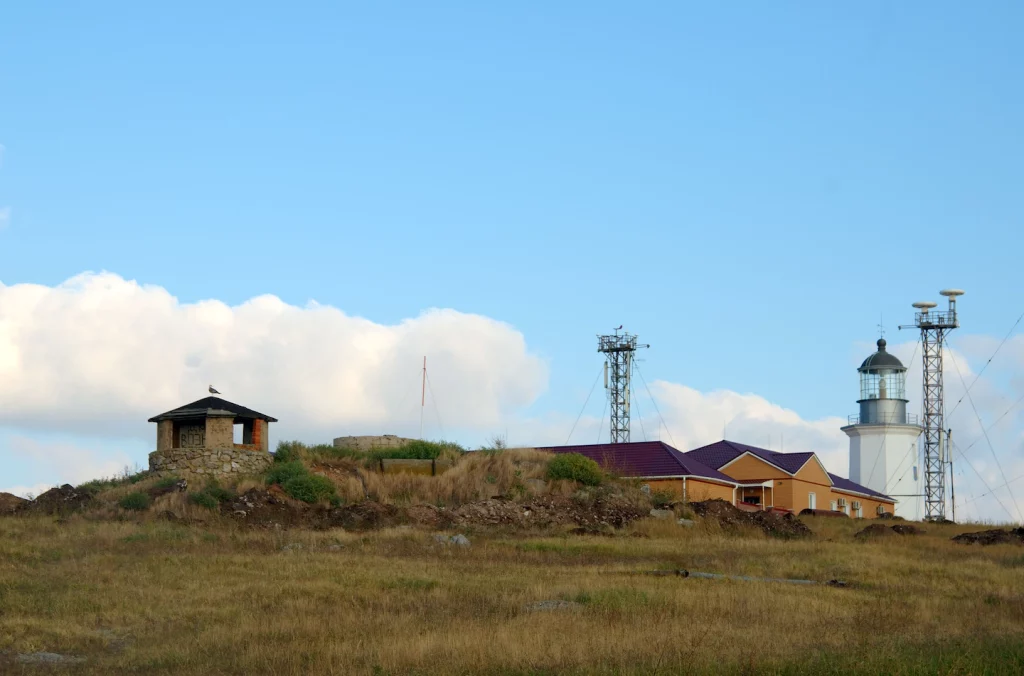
(213, 391)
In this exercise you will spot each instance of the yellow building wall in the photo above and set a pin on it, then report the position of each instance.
(675, 486)
(813, 473)
(698, 491)
(869, 506)
(749, 467)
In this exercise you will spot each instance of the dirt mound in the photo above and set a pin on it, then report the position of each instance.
(59, 501)
(269, 508)
(823, 512)
(9, 504)
(992, 537)
(907, 529)
(889, 516)
(877, 530)
(771, 523)
(549, 510)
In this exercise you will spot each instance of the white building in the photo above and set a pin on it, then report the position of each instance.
(884, 453)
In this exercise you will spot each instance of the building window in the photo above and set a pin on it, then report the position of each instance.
(832, 505)
(812, 501)
(915, 472)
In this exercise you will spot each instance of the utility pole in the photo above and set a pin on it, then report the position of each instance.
(423, 395)
(619, 349)
(934, 325)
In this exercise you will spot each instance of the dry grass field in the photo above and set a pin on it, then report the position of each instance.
(144, 596)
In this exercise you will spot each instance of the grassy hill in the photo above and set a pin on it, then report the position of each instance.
(130, 592)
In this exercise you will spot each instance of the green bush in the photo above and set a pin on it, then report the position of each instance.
(166, 483)
(662, 498)
(309, 488)
(575, 467)
(135, 502)
(287, 451)
(203, 499)
(282, 472)
(218, 492)
(418, 450)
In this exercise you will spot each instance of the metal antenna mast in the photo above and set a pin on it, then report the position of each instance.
(934, 325)
(618, 349)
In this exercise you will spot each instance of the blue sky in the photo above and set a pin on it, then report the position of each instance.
(747, 186)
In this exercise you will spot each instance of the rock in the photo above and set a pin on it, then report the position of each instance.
(992, 537)
(553, 604)
(686, 523)
(60, 500)
(292, 547)
(47, 658)
(9, 504)
(334, 548)
(460, 540)
(662, 513)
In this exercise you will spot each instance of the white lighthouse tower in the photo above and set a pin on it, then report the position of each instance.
(883, 438)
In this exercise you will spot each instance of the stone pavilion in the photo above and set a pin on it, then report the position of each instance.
(198, 439)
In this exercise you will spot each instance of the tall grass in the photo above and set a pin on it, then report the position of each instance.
(160, 598)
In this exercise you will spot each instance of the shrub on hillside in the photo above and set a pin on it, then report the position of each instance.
(282, 472)
(310, 488)
(575, 467)
(203, 499)
(129, 475)
(662, 498)
(418, 450)
(135, 502)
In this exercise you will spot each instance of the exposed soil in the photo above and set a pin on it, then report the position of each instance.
(992, 537)
(9, 504)
(907, 529)
(272, 508)
(823, 512)
(772, 523)
(59, 501)
(877, 530)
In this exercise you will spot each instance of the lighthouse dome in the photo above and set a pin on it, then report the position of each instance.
(881, 361)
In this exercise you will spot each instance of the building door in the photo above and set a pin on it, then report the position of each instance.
(812, 501)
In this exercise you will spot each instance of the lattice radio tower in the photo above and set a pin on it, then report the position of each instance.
(934, 326)
(618, 349)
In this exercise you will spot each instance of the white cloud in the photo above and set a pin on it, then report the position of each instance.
(61, 462)
(99, 354)
(102, 354)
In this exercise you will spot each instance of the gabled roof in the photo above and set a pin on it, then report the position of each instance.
(721, 453)
(841, 484)
(211, 407)
(646, 459)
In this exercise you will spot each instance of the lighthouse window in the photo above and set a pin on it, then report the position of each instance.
(915, 472)
(882, 385)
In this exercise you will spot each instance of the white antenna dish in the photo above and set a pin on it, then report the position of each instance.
(924, 305)
(951, 293)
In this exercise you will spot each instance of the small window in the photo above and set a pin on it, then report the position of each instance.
(812, 501)
(832, 505)
(915, 472)
(237, 433)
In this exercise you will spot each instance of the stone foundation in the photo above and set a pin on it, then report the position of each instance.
(210, 462)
